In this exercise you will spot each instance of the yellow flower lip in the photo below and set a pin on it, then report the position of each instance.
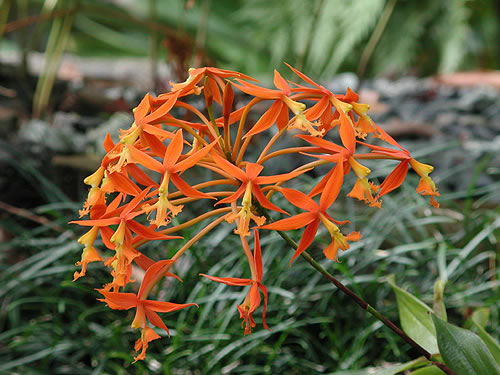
(340, 105)
(95, 178)
(360, 108)
(422, 169)
(295, 107)
(119, 236)
(88, 238)
(360, 170)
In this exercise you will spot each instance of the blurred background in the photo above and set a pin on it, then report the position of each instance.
(71, 71)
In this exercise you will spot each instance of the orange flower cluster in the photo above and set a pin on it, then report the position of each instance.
(131, 200)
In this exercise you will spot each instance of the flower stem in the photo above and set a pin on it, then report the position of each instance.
(365, 306)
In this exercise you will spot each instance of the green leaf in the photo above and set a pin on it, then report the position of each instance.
(415, 319)
(489, 341)
(480, 317)
(429, 370)
(391, 369)
(463, 351)
(438, 303)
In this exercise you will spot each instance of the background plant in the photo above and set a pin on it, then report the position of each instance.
(36, 336)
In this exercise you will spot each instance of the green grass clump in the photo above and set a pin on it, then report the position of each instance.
(48, 324)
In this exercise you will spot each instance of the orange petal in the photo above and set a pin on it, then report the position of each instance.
(299, 199)
(314, 112)
(148, 233)
(142, 109)
(257, 255)
(394, 179)
(323, 143)
(154, 273)
(332, 187)
(347, 134)
(97, 222)
(174, 150)
(193, 158)
(229, 167)
(307, 239)
(304, 77)
(279, 177)
(264, 292)
(253, 170)
(258, 91)
(233, 281)
(160, 306)
(282, 119)
(267, 119)
(281, 84)
(162, 110)
(294, 222)
(119, 301)
(266, 203)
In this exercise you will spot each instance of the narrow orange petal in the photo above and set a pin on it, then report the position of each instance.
(119, 301)
(162, 110)
(264, 292)
(160, 306)
(306, 239)
(174, 150)
(294, 222)
(332, 187)
(304, 77)
(97, 222)
(142, 109)
(155, 272)
(279, 177)
(347, 134)
(266, 203)
(257, 255)
(145, 160)
(394, 179)
(229, 167)
(281, 84)
(299, 199)
(257, 91)
(194, 158)
(233, 281)
(253, 170)
(267, 119)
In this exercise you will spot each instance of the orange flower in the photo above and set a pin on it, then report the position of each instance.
(250, 185)
(145, 309)
(215, 77)
(278, 112)
(143, 130)
(122, 238)
(323, 110)
(314, 215)
(363, 189)
(252, 300)
(394, 180)
(170, 168)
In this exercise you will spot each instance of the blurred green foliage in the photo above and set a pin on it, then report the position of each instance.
(321, 37)
(50, 325)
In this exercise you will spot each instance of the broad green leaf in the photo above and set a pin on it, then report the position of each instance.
(415, 319)
(489, 341)
(480, 317)
(429, 370)
(463, 351)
